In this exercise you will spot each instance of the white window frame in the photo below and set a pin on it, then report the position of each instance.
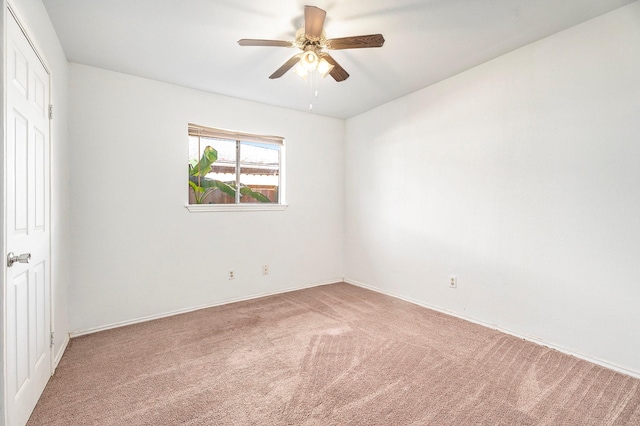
(239, 137)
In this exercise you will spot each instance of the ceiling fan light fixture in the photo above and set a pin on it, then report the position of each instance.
(309, 60)
(324, 67)
(312, 40)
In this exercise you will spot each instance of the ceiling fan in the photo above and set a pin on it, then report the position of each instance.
(313, 42)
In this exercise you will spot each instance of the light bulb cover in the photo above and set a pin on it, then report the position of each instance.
(324, 67)
(309, 60)
(301, 71)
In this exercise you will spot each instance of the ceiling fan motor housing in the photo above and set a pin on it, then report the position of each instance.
(303, 42)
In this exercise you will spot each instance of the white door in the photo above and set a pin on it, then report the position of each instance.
(28, 353)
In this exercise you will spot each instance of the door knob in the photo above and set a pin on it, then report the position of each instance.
(23, 258)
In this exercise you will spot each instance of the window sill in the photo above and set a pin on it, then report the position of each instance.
(195, 208)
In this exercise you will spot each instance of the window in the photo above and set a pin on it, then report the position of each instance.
(234, 171)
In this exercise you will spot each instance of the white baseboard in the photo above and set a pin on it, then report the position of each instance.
(194, 308)
(60, 352)
(596, 361)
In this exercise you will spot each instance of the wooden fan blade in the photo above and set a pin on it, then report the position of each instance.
(356, 42)
(258, 42)
(313, 22)
(338, 73)
(286, 67)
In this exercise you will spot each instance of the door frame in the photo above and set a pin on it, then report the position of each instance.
(9, 11)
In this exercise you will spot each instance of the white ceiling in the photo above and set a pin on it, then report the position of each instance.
(193, 43)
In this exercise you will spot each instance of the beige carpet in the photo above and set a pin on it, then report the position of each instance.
(331, 355)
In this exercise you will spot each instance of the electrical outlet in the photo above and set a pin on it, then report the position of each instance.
(232, 275)
(453, 281)
(265, 269)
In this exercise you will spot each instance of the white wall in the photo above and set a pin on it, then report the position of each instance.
(138, 252)
(521, 177)
(35, 19)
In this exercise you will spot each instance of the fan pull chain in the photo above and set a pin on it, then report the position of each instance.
(310, 93)
(313, 88)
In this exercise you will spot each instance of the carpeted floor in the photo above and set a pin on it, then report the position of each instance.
(330, 355)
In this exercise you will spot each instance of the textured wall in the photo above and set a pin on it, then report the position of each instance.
(138, 251)
(521, 177)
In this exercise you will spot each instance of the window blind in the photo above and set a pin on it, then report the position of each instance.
(210, 132)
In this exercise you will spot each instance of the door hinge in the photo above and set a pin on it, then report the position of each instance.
(50, 112)
(52, 340)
